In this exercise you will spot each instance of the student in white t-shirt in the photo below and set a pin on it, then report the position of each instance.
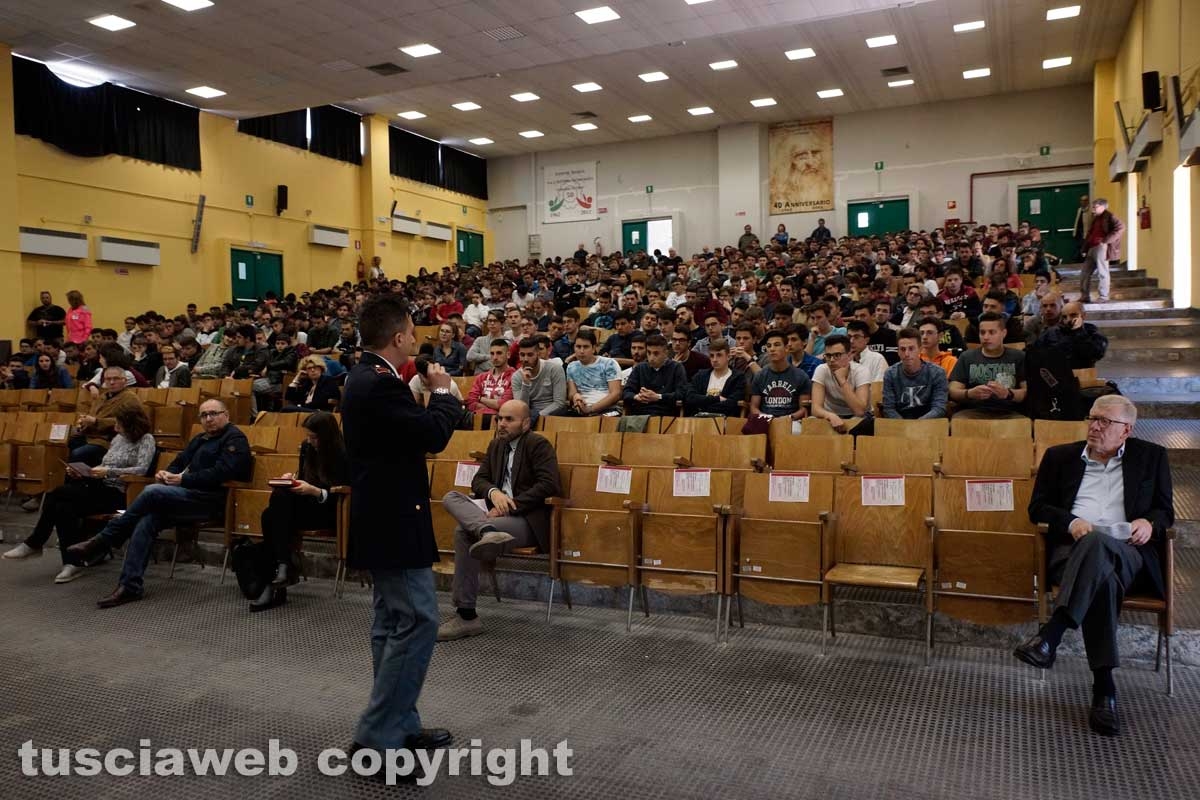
(840, 389)
(421, 390)
(860, 336)
(593, 382)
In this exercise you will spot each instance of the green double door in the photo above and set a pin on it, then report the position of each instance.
(877, 217)
(469, 248)
(253, 274)
(633, 235)
(1052, 210)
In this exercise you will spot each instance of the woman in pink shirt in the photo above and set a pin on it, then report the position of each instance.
(79, 318)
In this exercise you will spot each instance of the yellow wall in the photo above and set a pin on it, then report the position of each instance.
(138, 200)
(1158, 37)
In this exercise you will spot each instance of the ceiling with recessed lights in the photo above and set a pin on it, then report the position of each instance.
(531, 75)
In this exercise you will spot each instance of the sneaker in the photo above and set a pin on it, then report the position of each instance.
(458, 628)
(491, 544)
(23, 551)
(69, 573)
(32, 503)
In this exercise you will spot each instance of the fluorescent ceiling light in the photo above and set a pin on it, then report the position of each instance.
(524, 97)
(411, 115)
(881, 41)
(899, 83)
(584, 126)
(589, 86)
(481, 140)
(803, 52)
(532, 134)
(977, 73)
(825, 94)
(76, 73)
(600, 14)
(700, 111)
(111, 22)
(1066, 12)
(651, 77)
(963, 27)
(189, 5)
(640, 118)
(420, 50)
(207, 92)
(763, 102)
(467, 106)
(720, 65)
(696, 2)
(1055, 63)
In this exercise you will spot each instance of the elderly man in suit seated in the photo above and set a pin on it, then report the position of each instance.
(518, 473)
(1108, 504)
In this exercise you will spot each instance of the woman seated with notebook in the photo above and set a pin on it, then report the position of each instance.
(302, 501)
(95, 490)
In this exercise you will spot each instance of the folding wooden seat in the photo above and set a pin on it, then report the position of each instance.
(84, 400)
(776, 546)
(40, 464)
(613, 424)
(882, 546)
(246, 500)
(1050, 432)
(208, 387)
(238, 396)
(1019, 428)
(734, 425)
(693, 425)
(575, 424)
(465, 446)
(681, 542)
(812, 453)
(60, 418)
(64, 399)
(658, 450)
(7, 453)
(151, 396)
(444, 477)
(593, 530)
(464, 384)
(261, 438)
(740, 455)
(875, 399)
(986, 560)
(961, 324)
(969, 457)
(587, 448)
(34, 399)
(892, 455)
(10, 399)
(289, 440)
(275, 419)
(913, 428)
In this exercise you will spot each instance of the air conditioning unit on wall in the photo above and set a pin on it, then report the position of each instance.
(1148, 137)
(406, 224)
(329, 237)
(436, 230)
(47, 242)
(127, 251)
(1118, 166)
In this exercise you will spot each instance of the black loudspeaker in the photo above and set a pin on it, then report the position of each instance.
(1151, 91)
(280, 199)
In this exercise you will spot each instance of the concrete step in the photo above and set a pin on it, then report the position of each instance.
(1099, 314)
(1120, 279)
(1073, 270)
(1117, 304)
(1154, 405)
(1144, 329)
(1154, 351)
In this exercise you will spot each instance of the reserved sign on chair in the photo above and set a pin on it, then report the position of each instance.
(883, 490)
(788, 487)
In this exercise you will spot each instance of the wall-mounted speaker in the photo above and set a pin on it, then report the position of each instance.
(1151, 91)
(281, 199)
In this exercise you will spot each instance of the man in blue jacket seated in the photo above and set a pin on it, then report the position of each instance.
(717, 391)
(656, 383)
(190, 489)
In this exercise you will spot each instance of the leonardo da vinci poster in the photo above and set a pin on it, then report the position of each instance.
(801, 165)
(569, 193)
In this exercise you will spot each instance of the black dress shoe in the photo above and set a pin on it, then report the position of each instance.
(87, 551)
(429, 739)
(1036, 652)
(1102, 716)
(281, 575)
(381, 775)
(270, 598)
(119, 597)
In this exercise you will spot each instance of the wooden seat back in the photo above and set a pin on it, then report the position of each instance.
(463, 443)
(1050, 432)
(593, 535)
(586, 448)
(812, 453)
(682, 542)
(290, 439)
(693, 425)
(444, 478)
(1020, 428)
(892, 455)
(968, 457)
(275, 419)
(658, 450)
(894, 536)
(569, 424)
(913, 428)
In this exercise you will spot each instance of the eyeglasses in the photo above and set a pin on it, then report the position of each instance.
(832, 356)
(1104, 422)
(211, 414)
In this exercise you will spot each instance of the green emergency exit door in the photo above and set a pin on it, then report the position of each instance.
(877, 217)
(469, 248)
(253, 274)
(633, 236)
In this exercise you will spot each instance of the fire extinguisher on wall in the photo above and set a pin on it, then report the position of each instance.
(361, 268)
(1144, 215)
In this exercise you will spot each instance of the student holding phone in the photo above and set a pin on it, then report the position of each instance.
(302, 500)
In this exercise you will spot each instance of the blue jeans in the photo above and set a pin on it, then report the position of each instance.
(157, 508)
(402, 639)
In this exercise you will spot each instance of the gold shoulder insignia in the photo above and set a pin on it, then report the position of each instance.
(383, 371)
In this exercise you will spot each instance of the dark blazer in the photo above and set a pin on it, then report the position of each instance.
(387, 436)
(327, 389)
(1147, 478)
(698, 399)
(534, 478)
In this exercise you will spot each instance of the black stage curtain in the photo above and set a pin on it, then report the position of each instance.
(465, 173)
(414, 157)
(336, 133)
(104, 119)
(288, 127)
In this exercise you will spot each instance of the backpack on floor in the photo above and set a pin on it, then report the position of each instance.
(254, 567)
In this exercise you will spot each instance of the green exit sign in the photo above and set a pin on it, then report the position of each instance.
(649, 190)
(879, 166)
(249, 201)
(1044, 150)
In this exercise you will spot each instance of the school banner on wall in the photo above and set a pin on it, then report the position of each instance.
(801, 166)
(569, 193)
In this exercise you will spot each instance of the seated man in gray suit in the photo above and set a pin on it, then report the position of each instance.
(518, 473)
(1108, 505)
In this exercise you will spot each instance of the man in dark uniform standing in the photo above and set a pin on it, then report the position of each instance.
(391, 533)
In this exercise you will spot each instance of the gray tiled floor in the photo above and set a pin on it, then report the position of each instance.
(661, 712)
(1171, 433)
